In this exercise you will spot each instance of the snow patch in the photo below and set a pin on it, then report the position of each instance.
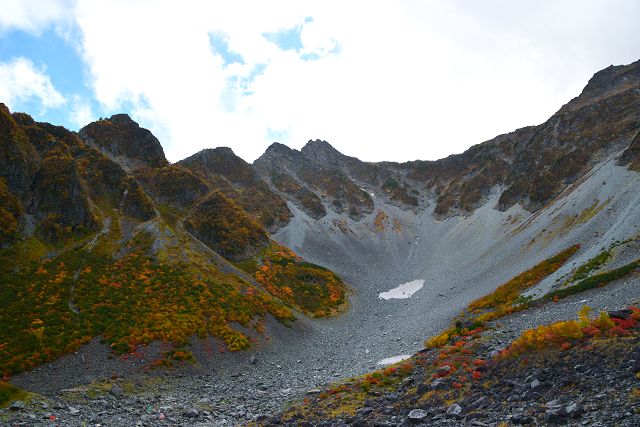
(406, 290)
(393, 359)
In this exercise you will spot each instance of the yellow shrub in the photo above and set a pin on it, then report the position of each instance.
(438, 340)
(585, 315)
(603, 322)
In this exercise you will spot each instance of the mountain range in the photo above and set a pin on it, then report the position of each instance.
(101, 237)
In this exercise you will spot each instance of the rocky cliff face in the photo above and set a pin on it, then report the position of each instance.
(58, 178)
(631, 156)
(56, 181)
(534, 164)
(239, 181)
(313, 178)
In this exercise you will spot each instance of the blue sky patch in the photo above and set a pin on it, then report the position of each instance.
(50, 51)
(277, 135)
(220, 45)
(60, 61)
(288, 39)
(319, 54)
(313, 56)
(240, 85)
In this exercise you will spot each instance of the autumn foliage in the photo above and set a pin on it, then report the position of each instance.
(503, 300)
(10, 212)
(130, 301)
(226, 228)
(507, 293)
(308, 287)
(565, 334)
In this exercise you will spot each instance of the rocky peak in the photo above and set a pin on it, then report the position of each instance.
(278, 147)
(6, 120)
(611, 77)
(278, 156)
(221, 161)
(122, 119)
(277, 150)
(23, 119)
(238, 180)
(605, 83)
(323, 153)
(124, 140)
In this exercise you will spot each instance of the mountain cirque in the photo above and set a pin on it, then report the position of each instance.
(175, 266)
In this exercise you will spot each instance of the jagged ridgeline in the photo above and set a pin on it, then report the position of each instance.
(101, 236)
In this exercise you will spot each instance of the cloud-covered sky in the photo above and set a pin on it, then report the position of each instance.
(380, 80)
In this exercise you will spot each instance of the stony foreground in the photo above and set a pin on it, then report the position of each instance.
(590, 383)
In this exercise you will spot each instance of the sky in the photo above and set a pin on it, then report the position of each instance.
(391, 80)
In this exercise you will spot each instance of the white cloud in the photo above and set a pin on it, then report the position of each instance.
(412, 79)
(33, 15)
(81, 113)
(21, 81)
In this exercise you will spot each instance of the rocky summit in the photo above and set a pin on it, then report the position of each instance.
(495, 287)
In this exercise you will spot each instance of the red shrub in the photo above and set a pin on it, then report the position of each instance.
(618, 331)
(591, 330)
(406, 368)
(389, 371)
(480, 362)
(624, 323)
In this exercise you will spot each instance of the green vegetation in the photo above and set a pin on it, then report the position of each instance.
(596, 262)
(343, 399)
(172, 184)
(591, 211)
(308, 287)
(226, 228)
(507, 293)
(507, 298)
(595, 281)
(593, 264)
(585, 215)
(60, 197)
(101, 263)
(11, 211)
(9, 393)
(462, 371)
